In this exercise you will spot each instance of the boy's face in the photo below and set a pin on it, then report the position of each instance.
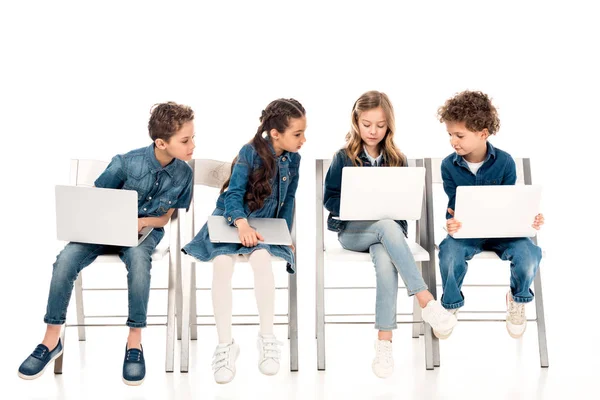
(372, 125)
(464, 141)
(293, 138)
(181, 145)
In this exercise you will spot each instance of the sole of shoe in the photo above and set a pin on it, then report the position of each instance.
(515, 336)
(32, 377)
(133, 383)
(442, 336)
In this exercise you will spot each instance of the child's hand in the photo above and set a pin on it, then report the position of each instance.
(248, 236)
(292, 247)
(141, 224)
(452, 225)
(538, 222)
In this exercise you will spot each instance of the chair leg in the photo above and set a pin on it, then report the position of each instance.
(58, 363)
(541, 321)
(320, 311)
(79, 306)
(293, 320)
(186, 274)
(429, 364)
(179, 300)
(171, 320)
(416, 326)
(193, 310)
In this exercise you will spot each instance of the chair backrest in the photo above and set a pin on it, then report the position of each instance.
(85, 172)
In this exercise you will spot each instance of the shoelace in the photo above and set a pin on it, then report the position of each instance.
(517, 312)
(384, 351)
(133, 355)
(39, 352)
(221, 358)
(270, 348)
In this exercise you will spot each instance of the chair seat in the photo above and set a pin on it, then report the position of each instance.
(486, 255)
(159, 253)
(238, 259)
(335, 252)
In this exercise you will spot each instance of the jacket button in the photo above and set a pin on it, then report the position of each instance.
(282, 204)
(228, 218)
(169, 202)
(283, 159)
(284, 178)
(144, 209)
(149, 197)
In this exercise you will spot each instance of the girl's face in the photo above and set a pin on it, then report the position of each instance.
(181, 145)
(292, 139)
(372, 125)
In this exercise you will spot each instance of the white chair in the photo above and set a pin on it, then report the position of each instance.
(328, 248)
(212, 174)
(84, 173)
(436, 211)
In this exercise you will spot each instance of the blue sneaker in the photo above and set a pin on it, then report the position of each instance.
(134, 367)
(34, 366)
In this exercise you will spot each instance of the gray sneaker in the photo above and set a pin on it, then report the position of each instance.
(515, 317)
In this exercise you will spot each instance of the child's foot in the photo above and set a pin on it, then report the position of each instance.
(515, 317)
(223, 364)
(439, 318)
(34, 365)
(134, 367)
(446, 334)
(269, 352)
(383, 364)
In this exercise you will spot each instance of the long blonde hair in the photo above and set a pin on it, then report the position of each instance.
(354, 144)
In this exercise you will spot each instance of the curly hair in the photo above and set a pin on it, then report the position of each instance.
(167, 118)
(473, 108)
(276, 115)
(354, 144)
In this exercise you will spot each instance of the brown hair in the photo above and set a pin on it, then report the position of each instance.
(354, 144)
(277, 116)
(475, 109)
(167, 118)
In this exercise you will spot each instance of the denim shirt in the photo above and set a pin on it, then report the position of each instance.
(498, 168)
(333, 188)
(280, 204)
(158, 188)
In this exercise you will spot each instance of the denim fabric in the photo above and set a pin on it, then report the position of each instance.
(498, 169)
(390, 253)
(523, 254)
(76, 256)
(231, 204)
(333, 188)
(158, 188)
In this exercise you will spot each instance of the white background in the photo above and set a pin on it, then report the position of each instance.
(77, 80)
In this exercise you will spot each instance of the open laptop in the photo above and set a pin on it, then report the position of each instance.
(273, 230)
(370, 194)
(497, 211)
(98, 215)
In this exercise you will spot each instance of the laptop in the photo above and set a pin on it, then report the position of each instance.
(273, 230)
(370, 194)
(498, 211)
(98, 215)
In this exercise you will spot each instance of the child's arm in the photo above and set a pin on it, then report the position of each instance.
(450, 189)
(510, 174)
(333, 185)
(155, 222)
(234, 197)
(290, 199)
(114, 175)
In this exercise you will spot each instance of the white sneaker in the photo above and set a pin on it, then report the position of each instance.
(515, 317)
(446, 334)
(440, 319)
(223, 363)
(269, 351)
(383, 364)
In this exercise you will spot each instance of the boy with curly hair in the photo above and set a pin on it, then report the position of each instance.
(470, 119)
(163, 180)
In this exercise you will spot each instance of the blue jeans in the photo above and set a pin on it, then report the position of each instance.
(76, 256)
(523, 254)
(386, 243)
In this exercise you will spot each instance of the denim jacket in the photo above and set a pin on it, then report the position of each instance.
(158, 188)
(280, 204)
(333, 187)
(498, 168)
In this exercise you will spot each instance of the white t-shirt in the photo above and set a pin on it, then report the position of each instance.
(474, 166)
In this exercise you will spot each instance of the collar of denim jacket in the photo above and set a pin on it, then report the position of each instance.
(491, 152)
(285, 152)
(155, 165)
